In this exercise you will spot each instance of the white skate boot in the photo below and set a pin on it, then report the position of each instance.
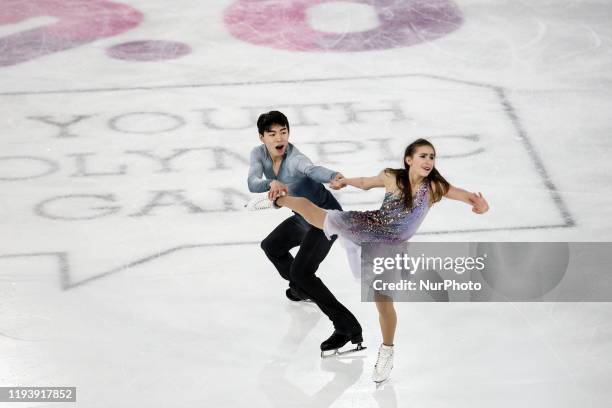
(261, 202)
(384, 364)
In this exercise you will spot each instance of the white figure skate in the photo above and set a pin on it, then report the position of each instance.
(384, 364)
(261, 202)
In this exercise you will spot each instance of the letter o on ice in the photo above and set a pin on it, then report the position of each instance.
(283, 24)
(178, 122)
(52, 167)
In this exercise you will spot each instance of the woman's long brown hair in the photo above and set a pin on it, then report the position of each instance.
(438, 186)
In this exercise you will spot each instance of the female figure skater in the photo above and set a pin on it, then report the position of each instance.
(410, 192)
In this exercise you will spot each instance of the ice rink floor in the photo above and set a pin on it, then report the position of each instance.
(129, 269)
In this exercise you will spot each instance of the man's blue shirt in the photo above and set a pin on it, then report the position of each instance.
(302, 178)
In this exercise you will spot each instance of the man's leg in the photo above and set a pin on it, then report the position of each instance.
(288, 234)
(313, 249)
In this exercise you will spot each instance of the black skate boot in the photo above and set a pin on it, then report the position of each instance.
(296, 295)
(338, 340)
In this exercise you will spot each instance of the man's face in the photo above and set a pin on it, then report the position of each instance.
(276, 140)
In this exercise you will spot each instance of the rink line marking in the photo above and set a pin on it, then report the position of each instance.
(64, 264)
(535, 157)
(252, 83)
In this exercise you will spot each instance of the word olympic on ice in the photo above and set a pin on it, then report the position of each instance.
(412, 264)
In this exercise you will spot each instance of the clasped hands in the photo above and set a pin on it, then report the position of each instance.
(338, 182)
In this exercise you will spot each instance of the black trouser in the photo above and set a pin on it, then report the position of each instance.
(300, 271)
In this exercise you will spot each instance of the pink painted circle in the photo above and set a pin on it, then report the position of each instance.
(148, 50)
(283, 24)
(77, 22)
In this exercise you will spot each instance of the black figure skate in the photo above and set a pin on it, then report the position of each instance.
(331, 347)
(295, 295)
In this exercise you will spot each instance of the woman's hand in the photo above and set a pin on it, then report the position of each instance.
(277, 189)
(479, 204)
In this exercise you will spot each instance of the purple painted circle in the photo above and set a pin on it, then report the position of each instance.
(283, 24)
(148, 50)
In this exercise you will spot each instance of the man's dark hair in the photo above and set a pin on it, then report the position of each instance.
(266, 120)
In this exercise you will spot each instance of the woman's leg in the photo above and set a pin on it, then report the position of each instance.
(314, 215)
(387, 318)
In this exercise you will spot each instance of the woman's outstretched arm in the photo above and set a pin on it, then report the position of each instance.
(364, 183)
(476, 200)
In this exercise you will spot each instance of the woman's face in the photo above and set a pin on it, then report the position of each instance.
(422, 161)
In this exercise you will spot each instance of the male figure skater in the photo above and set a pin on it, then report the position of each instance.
(286, 169)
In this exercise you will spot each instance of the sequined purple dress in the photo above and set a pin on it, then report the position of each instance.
(391, 224)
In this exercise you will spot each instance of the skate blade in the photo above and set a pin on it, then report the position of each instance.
(381, 384)
(338, 353)
(302, 302)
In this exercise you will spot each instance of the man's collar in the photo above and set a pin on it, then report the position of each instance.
(289, 149)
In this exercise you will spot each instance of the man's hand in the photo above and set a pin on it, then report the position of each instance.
(277, 189)
(338, 182)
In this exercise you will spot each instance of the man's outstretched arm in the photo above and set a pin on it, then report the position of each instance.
(317, 173)
(257, 183)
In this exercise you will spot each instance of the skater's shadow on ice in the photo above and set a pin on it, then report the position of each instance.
(384, 395)
(346, 371)
(304, 318)
(284, 393)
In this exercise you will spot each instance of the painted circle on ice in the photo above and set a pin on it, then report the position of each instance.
(284, 24)
(148, 50)
(73, 23)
